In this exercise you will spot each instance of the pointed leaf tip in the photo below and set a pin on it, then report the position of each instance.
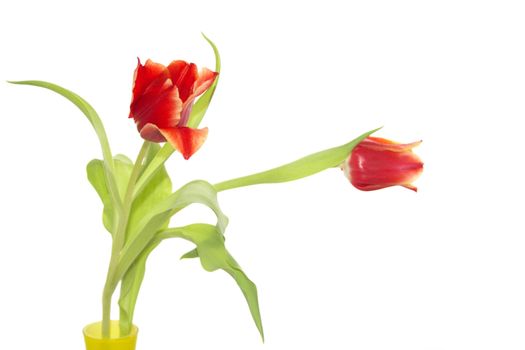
(190, 255)
(200, 107)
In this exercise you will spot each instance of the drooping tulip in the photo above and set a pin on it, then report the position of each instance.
(377, 163)
(162, 102)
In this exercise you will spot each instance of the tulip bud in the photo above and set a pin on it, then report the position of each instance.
(377, 163)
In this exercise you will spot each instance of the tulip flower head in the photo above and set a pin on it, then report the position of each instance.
(162, 102)
(377, 163)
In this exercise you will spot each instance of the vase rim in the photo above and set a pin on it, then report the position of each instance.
(94, 331)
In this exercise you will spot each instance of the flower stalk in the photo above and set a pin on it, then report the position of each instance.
(298, 169)
(155, 165)
(119, 239)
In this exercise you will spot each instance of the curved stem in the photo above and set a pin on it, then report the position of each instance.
(119, 239)
(298, 169)
(128, 197)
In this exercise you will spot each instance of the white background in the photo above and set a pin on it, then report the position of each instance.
(336, 268)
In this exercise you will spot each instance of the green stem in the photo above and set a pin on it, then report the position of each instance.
(306, 166)
(155, 165)
(128, 198)
(106, 312)
(119, 240)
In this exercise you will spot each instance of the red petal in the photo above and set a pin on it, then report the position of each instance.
(184, 139)
(149, 77)
(161, 109)
(368, 187)
(183, 75)
(152, 133)
(370, 168)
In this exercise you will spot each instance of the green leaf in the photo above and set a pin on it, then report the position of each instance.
(213, 256)
(151, 168)
(123, 169)
(143, 232)
(200, 107)
(85, 107)
(303, 167)
(95, 121)
(141, 237)
(156, 190)
(97, 178)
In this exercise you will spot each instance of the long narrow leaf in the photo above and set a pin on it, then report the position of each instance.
(95, 121)
(201, 106)
(85, 107)
(213, 256)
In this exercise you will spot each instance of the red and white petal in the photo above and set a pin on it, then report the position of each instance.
(410, 187)
(183, 75)
(186, 140)
(369, 169)
(380, 144)
(185, 114)
(206, 78)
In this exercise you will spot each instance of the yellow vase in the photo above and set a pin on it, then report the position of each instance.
(94, 340)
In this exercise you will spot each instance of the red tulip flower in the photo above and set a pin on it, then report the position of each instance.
(377, 163)
(162, 102)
